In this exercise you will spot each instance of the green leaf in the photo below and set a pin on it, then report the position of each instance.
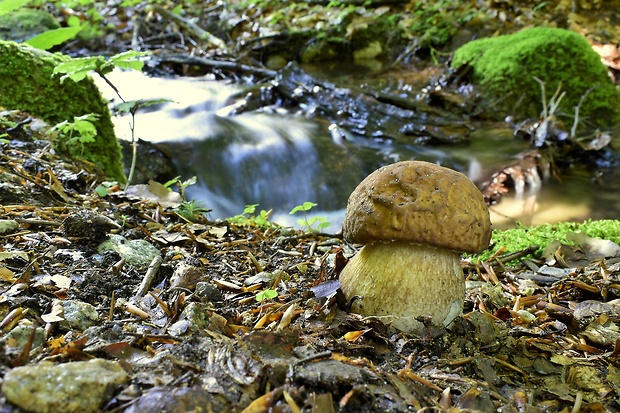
(74, 21)
(51, 38)
(78, 69)
(10, 5)
(266, 295)
(129, 60)
(323, 225)
(306, 206)
(250, 209)
(132, 106)
(101, 190)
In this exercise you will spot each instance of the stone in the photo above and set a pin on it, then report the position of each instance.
(135, 252)
(78, 315)
(75, 387)
(21, 25)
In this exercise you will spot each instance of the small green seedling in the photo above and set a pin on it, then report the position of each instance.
(249, 217)
(181, 184)
(104, 188)
(191, 210)
(308, 223)
(266, 295)
(80, 131)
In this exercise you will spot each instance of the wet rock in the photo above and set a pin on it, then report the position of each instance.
(80, 387)
(155, 164)
(135, 252)
(334, 372)
(179, 400)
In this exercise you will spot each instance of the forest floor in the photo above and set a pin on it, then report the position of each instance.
(245, 315)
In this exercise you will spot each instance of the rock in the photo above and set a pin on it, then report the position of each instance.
(27, 84)
(23, 24)
(15, 340)
(88, 225)
(179, 400)
(505, 68)
(80, 386)
(8, 226)
(135, 252)
(77, 314)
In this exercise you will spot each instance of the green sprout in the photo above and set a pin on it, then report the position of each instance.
(104, 188)
(308, 223)
(191, 210)
(250, 218)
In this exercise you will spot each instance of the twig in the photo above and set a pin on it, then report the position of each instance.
(148, 277)
(202, 34)
(201, 61)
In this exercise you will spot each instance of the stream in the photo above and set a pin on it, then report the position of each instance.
(279, 159)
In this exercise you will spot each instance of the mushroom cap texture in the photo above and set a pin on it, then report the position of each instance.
(418, 202)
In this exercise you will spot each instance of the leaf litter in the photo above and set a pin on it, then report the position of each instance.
(195, 327)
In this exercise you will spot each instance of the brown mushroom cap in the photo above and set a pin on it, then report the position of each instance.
(418, 202)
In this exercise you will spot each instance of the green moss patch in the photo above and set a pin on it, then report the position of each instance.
(505, 67)
(27, 84)
(523, 237)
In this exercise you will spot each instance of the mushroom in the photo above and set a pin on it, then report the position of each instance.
(414, 218)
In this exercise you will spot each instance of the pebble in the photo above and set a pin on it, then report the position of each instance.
(135, 252)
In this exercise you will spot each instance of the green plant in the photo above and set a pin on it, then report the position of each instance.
(321, 222)
(132, 107)
(181, 184)
(191, 209)
(51, 38)
(10, 5)
(103, 189)
(266, 295)
(78, 69)
(80, 131)
(249, 217)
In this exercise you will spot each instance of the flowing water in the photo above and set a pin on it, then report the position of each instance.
(279, 160)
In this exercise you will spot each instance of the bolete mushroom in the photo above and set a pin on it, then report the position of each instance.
(414, 218)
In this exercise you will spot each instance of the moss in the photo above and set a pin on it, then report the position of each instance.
(523, 237)
(505, 67)
(26, 83)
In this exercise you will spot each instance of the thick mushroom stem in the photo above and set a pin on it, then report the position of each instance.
(402, 282)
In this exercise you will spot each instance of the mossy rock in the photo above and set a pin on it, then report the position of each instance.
(505, 68)
(23, 24)
(27, 84)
